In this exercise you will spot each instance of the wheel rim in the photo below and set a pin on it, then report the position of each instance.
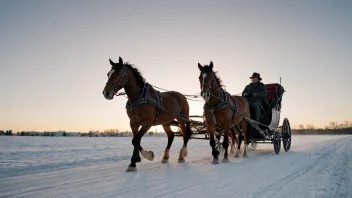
(277, 143)
(286, 135)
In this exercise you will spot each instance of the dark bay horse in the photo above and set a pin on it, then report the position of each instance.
(222, 110)
(147, 107)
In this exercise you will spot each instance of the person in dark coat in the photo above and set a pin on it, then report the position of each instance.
(255, 93)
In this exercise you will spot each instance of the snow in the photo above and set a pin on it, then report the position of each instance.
(316, 166)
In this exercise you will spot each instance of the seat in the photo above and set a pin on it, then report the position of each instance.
(274, 95)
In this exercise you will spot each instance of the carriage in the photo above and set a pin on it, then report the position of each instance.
(266, 132)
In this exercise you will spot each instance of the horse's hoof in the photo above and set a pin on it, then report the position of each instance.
(232, 152)
(225, 160)
(131, 169)
(181, 160)
(215, 161)
(237, 153)
(164, 160)
(185, 152)
(244, 156)
(254, 145)
(149, 155)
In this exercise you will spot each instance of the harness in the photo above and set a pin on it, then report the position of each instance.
(224, 102)
(145, 98)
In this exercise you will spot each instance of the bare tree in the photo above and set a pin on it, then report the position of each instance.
(333, 125)
(301, 127)
(346, 124)
(310, 126)
(340, 126)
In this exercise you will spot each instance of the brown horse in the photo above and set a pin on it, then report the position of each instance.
(146, 107)
(222, 110)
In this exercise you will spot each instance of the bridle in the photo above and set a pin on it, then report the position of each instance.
(211, 86)
(116, 85)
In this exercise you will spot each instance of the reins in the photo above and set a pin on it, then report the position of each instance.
(188, 96)
(252, 122)
(145, 98)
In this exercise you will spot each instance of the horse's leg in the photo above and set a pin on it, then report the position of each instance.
(186, 132)
(240, 137)
(245, 137)
(233, 141)
(225, 143)
(136, 142)
(134, 128)
(214, 152)
(170, 139)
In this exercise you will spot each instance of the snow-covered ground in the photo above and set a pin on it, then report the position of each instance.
(316, 166)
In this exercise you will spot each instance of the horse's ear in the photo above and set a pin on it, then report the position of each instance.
(211, 65)
(120, 61)
(200, 67)
(111, 63)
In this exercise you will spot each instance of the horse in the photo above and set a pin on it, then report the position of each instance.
(147, 107)
(221, 110)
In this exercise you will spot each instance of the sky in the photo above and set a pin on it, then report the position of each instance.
(54, 56)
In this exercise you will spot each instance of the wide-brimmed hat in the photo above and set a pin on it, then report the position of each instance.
(256, 75)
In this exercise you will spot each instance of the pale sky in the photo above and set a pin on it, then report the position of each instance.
(54, 56)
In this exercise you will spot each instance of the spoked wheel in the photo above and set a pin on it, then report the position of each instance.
(277, 142)
(286, 135)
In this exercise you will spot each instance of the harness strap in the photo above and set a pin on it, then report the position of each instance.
(224, 102)
(159, 105)
(146, 98)
(234, 108)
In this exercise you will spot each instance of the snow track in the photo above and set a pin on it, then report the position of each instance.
(316, 166)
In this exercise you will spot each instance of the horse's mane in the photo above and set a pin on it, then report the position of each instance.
(137, 74)
(207, 69)
(218, 80)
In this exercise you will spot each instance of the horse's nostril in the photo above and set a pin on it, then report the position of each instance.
(106, 94)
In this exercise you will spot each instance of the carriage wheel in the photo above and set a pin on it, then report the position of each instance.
(286, 135)
(277, 142)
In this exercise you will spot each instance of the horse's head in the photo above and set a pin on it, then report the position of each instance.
(207, 80)
(117, 79)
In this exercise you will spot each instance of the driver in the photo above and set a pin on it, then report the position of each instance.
(255, 93)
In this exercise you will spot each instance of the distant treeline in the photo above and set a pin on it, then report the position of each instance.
(333, 128)
(347, 131)
(8, 132)
(106, 133)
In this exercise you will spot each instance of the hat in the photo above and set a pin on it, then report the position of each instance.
(256, 75)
